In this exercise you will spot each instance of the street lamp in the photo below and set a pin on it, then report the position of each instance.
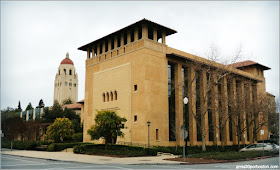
(186, 102)
(148, 123)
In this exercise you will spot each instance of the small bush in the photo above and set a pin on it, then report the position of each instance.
(61, 146)
(77, 149)
(51, 148)
(77, 137)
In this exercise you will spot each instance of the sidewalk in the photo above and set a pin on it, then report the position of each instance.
(70, 156)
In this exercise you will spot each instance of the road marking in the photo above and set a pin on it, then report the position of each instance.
(92, 166)
(36, 164)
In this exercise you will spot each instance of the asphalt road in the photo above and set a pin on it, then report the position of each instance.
(16, 162)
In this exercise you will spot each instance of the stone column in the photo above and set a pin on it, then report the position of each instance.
(135, 34)
(116, 42)
(204, 109)
(103, 47)
(178, 102)
(88, 53)
(98, 50)
(163, 37)
(34, 114)
(192, 107)
(233, 106)
(242, 110)
(255, 116)
(27, 115)
(109, 45)
(144, 31)
(93, 52)
(225, 118)
(249, 106)
(155, 34)
(128, 37)
(122, 39)
(215, 105)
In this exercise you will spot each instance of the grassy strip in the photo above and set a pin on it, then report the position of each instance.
(230, 155)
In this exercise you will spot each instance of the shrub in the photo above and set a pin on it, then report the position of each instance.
(120, 150)
(61, 146)
(77, 137)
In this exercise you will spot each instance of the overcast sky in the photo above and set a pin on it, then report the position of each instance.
(35, 37)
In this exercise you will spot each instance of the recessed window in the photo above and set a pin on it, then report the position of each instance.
(65, 83)
(75, 85)
(111, 95)
(64, 71)
(70, 72)
(107, 96)
(116, 95)
(156, 134)
(135, 88)
(58, 72)
(103, 97)
(135, 118)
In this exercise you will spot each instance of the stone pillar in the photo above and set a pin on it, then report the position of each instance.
(255, 103)
(234, 106)
(41, 112)
(178, 102)
(225, 118)
(215, 105)
(249, 106)
(135, 34)
(34, 114)
(103, 47)
(27, 115)
(93, 52)
(204, 109)
(155, 34)
(144, 31)
(98, 50)
(88, 53)
(192, 107)
(128, 37)
(122, 39)
(163, 37)
(20, 115)
(116, 42)
(242, 110)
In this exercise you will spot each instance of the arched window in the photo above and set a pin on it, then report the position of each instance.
(65, 83)
(64, 71)
(107, 96)
(111, 96)
(58, 72)
(116, 95)
(75, 85)
(70, 72)
(103, 97)
(70, 84)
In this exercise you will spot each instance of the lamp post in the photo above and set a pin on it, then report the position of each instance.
(185, 100)
(148, 123)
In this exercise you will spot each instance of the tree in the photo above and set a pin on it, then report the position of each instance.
(12, 128)
(61, 128)
(41, 104)
(108, 125)
(56, 111)
(19, 107)
(67, 101)
(29, 106)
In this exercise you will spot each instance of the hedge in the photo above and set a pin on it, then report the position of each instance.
(77, 137)
(120, 150)
(61, 146)
(23, 145)
(196, 149)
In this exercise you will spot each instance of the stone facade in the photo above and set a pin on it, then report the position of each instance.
(66, 82)
(134, 72)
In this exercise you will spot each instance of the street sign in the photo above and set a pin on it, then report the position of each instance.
(184, 136)
(262, 132)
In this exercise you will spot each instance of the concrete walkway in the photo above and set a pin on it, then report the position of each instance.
(70, 156)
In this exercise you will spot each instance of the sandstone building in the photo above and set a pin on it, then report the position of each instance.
(134, 72)
(66, 81)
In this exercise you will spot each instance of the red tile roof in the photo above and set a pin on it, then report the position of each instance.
(247, 63)
(73, 106)
(67, 61)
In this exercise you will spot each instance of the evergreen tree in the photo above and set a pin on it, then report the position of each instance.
(29, 106)
(41, 104)
(19, 107)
